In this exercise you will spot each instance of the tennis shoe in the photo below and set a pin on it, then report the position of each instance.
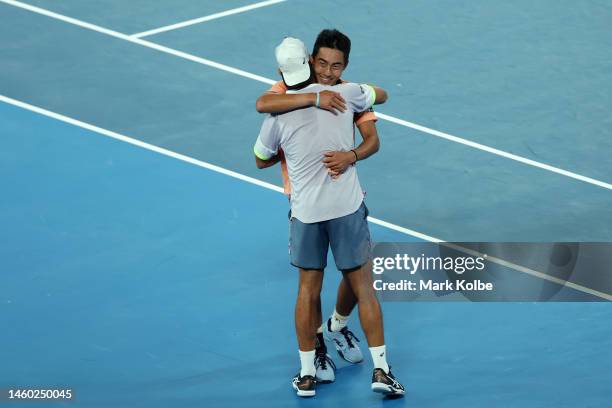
(385, 383)
(345, 342)
(304, 386)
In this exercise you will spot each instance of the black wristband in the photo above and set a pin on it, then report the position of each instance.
(355, 153)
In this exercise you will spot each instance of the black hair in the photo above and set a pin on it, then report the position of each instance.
(332, 38)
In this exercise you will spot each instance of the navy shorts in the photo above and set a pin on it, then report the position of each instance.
(348, 237)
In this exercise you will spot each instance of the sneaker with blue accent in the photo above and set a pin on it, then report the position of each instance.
(326, 369)
(345, 342)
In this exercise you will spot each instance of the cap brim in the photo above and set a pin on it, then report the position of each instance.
(297, 77)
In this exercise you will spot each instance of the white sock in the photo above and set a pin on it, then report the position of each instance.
(379, 357)
(320, 329)
(307, 360)
(338, 322)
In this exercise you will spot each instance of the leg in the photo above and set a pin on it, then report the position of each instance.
(371, 319)
(350, 243)
(318, 314)
(335, 328)
(308, 250)
(346, 300)
(308, 302)
(370, 314)
(349, 238)
(308, 245)
(305, 310)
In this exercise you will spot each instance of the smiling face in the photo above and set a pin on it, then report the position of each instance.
(328, 65)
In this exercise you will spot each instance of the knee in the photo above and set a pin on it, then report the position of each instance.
(310, 293)
(311, 282)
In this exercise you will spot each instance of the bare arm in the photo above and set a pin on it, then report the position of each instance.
(262, 164)
(271, 102)
(370, 143)
(338, 162)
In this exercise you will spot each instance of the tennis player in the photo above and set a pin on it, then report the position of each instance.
(330, 58)
(318, 220)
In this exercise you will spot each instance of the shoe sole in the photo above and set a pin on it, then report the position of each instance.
(386, 389)
(325, 381)
(304, 393)
(309, 393)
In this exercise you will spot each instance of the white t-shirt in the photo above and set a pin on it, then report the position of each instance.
(305, 135)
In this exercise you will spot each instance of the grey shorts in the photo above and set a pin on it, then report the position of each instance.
(348, 237)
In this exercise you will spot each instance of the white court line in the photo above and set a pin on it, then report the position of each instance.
(206, 18)
(529, 271)
(259, 78)
(218, 169)
(138, 41)
(139, 143)
(496, 152)
(182, 157)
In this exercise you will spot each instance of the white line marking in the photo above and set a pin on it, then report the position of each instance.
(206, 18)
(269, 81)
(265, 80)
(497, 152)
(532, 272)
(138, 41)
(138, 143)
(218, 169)
(404, 230)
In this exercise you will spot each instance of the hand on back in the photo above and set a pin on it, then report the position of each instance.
(332, 101)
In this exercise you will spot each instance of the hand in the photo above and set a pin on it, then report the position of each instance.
(332, 101)
(333, 174)
(338, 162)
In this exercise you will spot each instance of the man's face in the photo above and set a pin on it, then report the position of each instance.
(328, 65)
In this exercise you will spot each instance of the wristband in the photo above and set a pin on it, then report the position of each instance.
(317, 103)
(355, 153)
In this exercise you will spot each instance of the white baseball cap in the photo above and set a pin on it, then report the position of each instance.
(292, 59)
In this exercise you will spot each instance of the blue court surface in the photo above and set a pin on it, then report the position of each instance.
(144, 257)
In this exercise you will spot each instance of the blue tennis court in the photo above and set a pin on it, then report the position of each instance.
(144, 257)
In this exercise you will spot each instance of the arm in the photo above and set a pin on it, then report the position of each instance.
(267, 145)
(360, 99)
(381, 95)
(338, 162)
(262, 164)
(271, 102)
(370, 143)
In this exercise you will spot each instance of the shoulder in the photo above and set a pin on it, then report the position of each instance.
(269, 122)
(278, 88)
(349, 88)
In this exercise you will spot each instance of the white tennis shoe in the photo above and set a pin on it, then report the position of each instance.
(345, 343)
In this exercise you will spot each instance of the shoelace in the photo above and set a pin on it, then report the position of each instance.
(394, 381)
(323, 360)
(348, 335)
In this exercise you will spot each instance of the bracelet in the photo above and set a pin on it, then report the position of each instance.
(317, 103)
(355, 153)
